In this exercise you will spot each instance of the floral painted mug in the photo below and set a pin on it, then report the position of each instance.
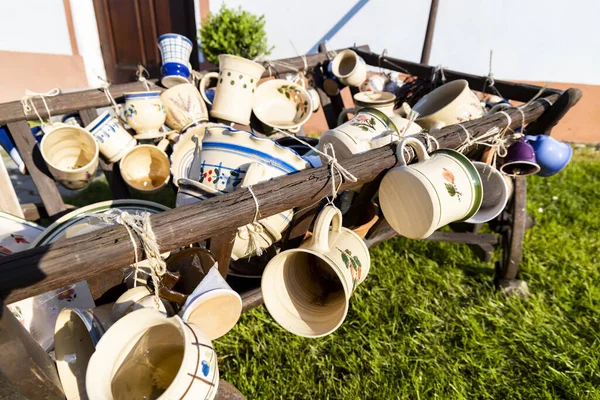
(113, 140)
(185, 108)
(145, 112)
(418, 199)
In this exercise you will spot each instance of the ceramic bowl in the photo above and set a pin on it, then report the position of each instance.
(71, 154)
(145, 113)
(282, 104)
(146, 168)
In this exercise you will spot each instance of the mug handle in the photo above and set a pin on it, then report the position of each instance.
(329, 216)
(202, 85)
(417, 146)
(345, 111)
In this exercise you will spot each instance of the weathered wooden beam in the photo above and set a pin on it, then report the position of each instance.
(510, 90)
(38, 270)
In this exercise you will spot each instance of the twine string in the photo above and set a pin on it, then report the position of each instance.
(29, 105)
(105, 88)
(255, 228)
(439, 69)
(142, 75)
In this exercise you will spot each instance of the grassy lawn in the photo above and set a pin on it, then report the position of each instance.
(427, 323)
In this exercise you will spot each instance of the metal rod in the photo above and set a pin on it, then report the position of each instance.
(429, 33)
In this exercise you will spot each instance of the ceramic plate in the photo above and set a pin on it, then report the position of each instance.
(83, 220)
(16, 234)
(183, 151)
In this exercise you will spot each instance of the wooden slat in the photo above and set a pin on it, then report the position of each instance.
(227, 391)
(510, 90)
(559, 109)
(45, 268)
(221, 246)
(9, 202)
(37, 168)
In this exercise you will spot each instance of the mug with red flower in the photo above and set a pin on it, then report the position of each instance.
(440, 188)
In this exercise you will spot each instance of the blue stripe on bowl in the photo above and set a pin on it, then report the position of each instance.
(259, 155)
(101, 122)
(141, 95)
(173, 36)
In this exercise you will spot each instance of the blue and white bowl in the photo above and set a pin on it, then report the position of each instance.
(175, 51)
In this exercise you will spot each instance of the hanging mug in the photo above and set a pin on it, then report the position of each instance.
(418, 199)
(349, 68)
(550, 154)
(307, 290)
(237, 80)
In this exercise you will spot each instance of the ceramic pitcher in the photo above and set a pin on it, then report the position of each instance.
(147, 355)
(307, 290)
(418, 199)
(237, 80)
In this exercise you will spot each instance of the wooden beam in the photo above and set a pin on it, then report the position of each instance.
(41, 269)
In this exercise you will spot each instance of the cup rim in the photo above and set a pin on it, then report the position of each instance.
(99, 121)
(174, 36)
(335, 68)
(131, 151)
(474, 219)
(81, 130)
(267, 88)
(141, 94)
(462, 82)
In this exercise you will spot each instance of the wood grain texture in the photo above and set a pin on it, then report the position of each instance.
(45, 268)
(36, 166)
(221, 246)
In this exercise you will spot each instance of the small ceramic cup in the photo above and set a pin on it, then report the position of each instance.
(146, 168)
(71, 154)
(551, 155)
(175, 51)
(314, 98)
(145, 113)
(237, 80)
(369, 129)
(495, 193)
(76, 335)
(520, 160)
(282, 104)
(443, 188)
(213, 305)
(349, 68)
(113, 140)
(72, 119)
(451, 103)
(137, 298)
(129, 354)
(307, 290)
(185, 107)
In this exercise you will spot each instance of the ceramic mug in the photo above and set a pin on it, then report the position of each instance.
(314, 98)
(175, 51)
(349, 68)
(282, 104)
(451, 103)
(76, 335)
(147, 355)
(135, 299)
(550, 154)
(369, 129)
(213, 305)
(307, 290)
(496, 193)
(418, 199)
(113, 140)
(146, 168)
(145, 113)
(71, 154)
(72, 119)
(520, 160)
(237, 80)
(185, 108)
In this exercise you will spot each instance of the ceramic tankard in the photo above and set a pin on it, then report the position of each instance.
(307, 290)
(449, 104)
(145, 112)
(349, 68)
(175, 51)
(185, 108)
(418, 199)
(113, 140)
(237, 80)
(369, 129)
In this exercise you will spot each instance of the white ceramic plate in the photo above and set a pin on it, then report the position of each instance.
(16, 234)
(183, 151)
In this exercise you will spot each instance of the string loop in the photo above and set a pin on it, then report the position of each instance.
(29, 105)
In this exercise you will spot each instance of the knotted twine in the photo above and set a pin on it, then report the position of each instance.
(104, 86)
(142, 227)
(29, 105)
(142, 75)
(254, 229)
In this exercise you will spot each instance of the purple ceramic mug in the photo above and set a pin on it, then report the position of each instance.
(520, 160)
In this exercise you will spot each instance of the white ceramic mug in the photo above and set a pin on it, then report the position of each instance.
(113, 140)
(418, 199)
(175, 51)
(369, 129)
(137, 298)
(145, 113)
(307, 290)
(71, 154)
(213, 305)
(349, 68)
(314, 98)
(282, 104)
(496, 193)
(76, 334)
(451, 103)
(130, 352)
(237, 80)
(146, 168)
(185, 107)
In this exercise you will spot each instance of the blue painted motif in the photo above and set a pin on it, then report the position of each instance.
(205, 368)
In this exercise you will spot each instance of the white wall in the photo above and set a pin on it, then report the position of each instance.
(34, 26)
(88, 42)
(538, 40)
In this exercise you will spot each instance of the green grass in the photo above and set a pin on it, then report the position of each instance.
(427, 323)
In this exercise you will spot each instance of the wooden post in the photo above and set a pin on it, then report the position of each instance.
(429, 33)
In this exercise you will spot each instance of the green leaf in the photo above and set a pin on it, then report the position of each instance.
(287, 95)
(451, 189)
(297, 107)
(280, 90)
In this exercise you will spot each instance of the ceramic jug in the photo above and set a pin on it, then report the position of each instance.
(550, 154)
